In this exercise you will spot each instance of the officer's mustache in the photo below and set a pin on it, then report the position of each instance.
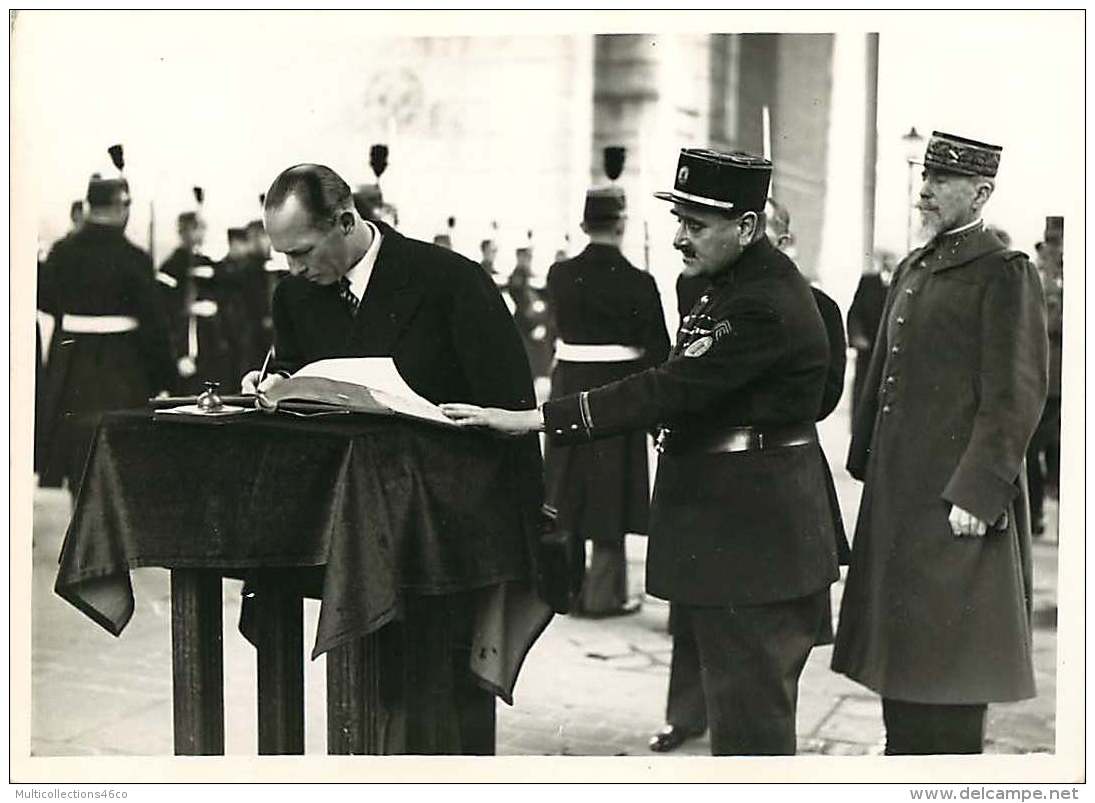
(686, 251)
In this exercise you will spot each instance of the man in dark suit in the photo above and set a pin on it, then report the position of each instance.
(686, 712)
(609, 320)
(110, 348)
(936, 610)
(360, 289)
(742, 536)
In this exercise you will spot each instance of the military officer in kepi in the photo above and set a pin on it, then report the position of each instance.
(936, 610)
(609, 321)
(741, 535)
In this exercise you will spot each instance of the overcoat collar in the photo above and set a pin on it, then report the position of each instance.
(953, 250)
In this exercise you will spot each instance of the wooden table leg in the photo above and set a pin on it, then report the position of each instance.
(280, 649)
(197, 662)
(365, 713)
(406, 688)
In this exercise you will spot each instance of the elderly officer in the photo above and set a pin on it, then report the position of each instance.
(609, 320)
(935, 616)
(741, 525)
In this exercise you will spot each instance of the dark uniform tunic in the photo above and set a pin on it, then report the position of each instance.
(956, 385)
(97, 272)
(601, 489)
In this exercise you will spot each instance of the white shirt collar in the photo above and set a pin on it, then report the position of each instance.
(359, 274)
(967, 227)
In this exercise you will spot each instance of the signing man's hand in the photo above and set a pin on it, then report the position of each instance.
(507, 422)
(965, 523)
(250, 384)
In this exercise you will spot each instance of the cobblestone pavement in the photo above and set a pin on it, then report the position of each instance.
(587, 688)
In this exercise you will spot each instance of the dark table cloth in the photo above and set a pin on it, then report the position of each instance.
(388, 506)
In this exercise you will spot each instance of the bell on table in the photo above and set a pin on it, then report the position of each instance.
(209, 401)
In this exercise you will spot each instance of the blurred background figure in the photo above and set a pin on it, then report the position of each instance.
(488, 252)
(1044, 453)
(76, 216)
(110, 348)
(864, 316)
(265, 274)
(369, 202)
(530, 313)
(237, 285)
(178, 292)
(608, 317)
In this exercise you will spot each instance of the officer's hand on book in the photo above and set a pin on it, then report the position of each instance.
(507, 422)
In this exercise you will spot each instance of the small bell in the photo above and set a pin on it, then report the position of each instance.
(209, 401)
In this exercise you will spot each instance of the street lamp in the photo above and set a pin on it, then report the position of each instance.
(912, 142)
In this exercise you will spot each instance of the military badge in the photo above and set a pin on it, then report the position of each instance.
(722, 328)
(682, 175)
(699, 347)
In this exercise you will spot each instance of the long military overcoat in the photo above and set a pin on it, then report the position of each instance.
(955, 388)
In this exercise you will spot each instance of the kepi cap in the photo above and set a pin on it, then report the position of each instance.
(961, 155)
(604, 205)
(730, 182)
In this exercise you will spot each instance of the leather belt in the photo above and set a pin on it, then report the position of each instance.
(98, 324)
(737, 439)
(576, 352)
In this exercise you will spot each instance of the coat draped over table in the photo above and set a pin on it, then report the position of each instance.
(955, 388)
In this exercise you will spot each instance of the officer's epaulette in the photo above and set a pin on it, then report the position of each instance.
(1010, 256)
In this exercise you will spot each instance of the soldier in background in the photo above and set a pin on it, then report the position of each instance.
(488, 251)
(608, 317)
(111, 349)
(237, 286)
(530, 313)
(864, 315)
(266, 275)
(178, 291)
(1046, 443)
(76, 216)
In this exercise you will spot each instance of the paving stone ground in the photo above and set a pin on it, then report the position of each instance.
(587, 688)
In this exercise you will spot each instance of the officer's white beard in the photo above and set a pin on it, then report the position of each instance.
(931, 225)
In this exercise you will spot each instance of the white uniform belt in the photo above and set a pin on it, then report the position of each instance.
(204, 308)
(576, 352)
(98, 324)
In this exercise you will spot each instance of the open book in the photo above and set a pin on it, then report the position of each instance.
(351, 385)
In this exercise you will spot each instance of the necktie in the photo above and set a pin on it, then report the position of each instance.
(347, 295)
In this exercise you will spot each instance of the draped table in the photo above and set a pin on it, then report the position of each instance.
(383, 519)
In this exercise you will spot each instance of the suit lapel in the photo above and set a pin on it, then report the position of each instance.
(390, 299)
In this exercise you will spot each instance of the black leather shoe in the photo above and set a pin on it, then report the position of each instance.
(670, 738)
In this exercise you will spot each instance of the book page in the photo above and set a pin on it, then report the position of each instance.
(380, 376)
